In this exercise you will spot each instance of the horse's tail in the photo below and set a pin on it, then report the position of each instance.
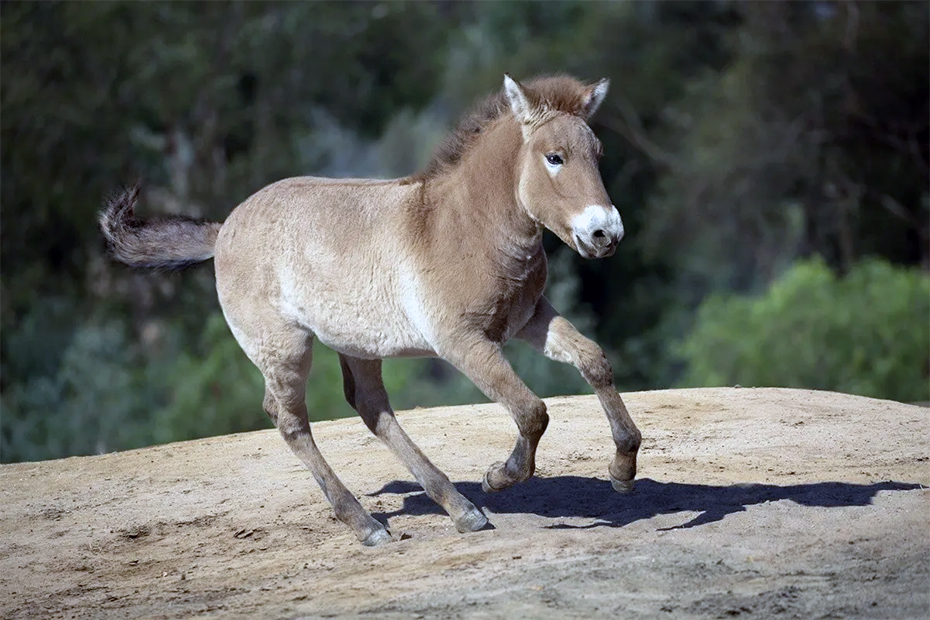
(171, 242)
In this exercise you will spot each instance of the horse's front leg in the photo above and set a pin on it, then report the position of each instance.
(482, 361)
(554, 336)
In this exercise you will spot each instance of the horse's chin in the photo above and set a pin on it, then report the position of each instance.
(591, 253)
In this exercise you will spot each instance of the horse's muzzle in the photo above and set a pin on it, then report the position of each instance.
(597, 231)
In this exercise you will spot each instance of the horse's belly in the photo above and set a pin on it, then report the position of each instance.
(360, 323)
(372, 341)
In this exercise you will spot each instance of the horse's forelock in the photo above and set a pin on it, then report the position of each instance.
(558, 94)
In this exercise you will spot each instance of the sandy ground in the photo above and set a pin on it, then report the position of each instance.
(751, 503)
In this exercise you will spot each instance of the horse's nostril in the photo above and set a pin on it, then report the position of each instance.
(599, 234)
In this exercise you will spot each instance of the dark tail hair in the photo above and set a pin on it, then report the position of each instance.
(170, 242)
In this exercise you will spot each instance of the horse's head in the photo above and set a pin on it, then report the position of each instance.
(559, 184)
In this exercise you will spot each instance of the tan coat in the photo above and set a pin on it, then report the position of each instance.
(448, 262)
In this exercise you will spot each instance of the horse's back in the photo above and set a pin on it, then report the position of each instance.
(324, 254)
(300, 203)
(318, 217)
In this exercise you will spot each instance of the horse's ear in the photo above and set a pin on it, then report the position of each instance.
(516, 96)
(594, 96)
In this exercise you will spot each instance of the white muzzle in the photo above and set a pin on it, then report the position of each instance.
(597, 230)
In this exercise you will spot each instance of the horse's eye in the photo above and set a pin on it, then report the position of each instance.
(554, 160)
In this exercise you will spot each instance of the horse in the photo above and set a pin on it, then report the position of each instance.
(447, 262)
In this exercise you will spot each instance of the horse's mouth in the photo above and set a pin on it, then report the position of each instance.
(591, 252)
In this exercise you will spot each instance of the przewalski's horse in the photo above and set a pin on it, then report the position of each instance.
(448, 263)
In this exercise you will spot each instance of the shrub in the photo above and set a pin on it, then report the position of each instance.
(866, 333)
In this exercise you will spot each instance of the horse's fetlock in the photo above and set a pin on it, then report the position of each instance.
(629, 444)
(543, 422)
(272, 413)
(515, 471)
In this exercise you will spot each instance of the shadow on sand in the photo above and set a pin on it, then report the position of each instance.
(591, 498)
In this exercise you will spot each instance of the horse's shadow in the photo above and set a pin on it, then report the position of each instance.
(591, 498)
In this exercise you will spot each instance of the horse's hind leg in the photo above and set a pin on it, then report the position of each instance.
(270, 407)
(285, 360)
(365, 391)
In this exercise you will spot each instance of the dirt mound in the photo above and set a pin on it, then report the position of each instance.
(750, 503)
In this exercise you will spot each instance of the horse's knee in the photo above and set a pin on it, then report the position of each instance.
(595, 367)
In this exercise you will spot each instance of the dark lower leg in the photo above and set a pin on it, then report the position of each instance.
(296, 433)
(521, 465)
(626, 436)
(438, 487)
(488, 369)
(371, 401)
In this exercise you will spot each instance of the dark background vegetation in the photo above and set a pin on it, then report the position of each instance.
(770, 161)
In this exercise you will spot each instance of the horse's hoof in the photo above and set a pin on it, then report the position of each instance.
(471, 521)
(486, 485)
(378, 537)
(622, 486)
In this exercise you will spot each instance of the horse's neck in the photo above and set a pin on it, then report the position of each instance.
(483, 251)
(481, 192)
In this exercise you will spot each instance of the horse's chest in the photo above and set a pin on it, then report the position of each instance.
(510, 298)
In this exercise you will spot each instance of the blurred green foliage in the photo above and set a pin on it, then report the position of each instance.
(863, 333)
(95, 398)
(740, 138)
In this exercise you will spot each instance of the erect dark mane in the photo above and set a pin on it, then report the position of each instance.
(556, 93)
